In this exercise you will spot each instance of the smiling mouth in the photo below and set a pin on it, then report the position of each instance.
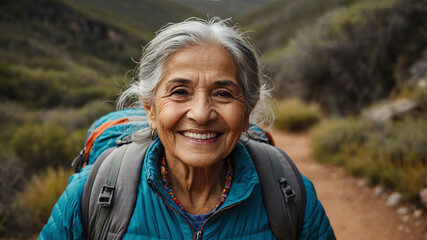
(200, 136)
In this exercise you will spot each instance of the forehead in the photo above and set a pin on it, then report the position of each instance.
(207, 58)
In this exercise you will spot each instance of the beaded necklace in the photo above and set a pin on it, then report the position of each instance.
(168, 185)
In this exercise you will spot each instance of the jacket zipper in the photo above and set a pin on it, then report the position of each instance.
(195, 236)
(198, 235)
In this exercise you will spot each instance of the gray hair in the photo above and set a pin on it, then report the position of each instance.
(196, 32)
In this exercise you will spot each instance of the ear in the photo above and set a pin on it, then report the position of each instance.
(151, 115)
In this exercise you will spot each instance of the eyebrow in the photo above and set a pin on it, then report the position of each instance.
(226, 83)
(179, 80)
(188, 82)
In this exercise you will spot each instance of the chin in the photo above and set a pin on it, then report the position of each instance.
(201, 162)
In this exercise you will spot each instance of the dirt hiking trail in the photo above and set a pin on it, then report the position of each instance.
(354, 210)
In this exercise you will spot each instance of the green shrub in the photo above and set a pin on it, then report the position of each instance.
(11, 180)
(41, 145)
(14, 113)
(75, 142)
(41, 193)
(421, 98)
(294, 115)
(392, 154)
(74, 119)
(333, 140)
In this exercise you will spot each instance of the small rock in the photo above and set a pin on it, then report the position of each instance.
(418, 213)
(400, 228)
(422, 83)
(379, 190)
(389, 110)
(423, 197)
(402, 210)
(393, 199)
(408, 230)
(405, 218)
(362, 183)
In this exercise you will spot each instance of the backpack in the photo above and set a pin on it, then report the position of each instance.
(106, 132)
(108, 200)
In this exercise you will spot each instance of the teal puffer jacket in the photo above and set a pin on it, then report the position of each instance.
(156, 216)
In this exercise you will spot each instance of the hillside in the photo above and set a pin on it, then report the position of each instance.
(67, 46)
(276, 23)
(134, 15)
(223, 8)
(341, 54)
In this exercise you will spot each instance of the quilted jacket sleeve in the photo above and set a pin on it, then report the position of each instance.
(64, 221)
(316, 224)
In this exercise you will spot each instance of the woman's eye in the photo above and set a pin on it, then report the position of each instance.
(224, 94)
(180, 92)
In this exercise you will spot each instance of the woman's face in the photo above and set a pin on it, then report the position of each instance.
(198, 110)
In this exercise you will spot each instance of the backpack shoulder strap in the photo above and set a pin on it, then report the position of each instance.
(282, 189)
(110, 192)
(89, 185)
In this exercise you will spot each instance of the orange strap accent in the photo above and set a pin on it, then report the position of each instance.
(99, 130)
(271, 138)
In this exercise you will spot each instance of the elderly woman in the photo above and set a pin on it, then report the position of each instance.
(201, 87)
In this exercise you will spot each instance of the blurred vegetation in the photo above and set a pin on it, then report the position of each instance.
(345, 54)
(276, 23)
(294, 115)
(391, 154)
(41, 193)
(11, 180)
(47, 144)
(224, 9)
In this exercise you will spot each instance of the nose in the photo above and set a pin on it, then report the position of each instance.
(201, 109)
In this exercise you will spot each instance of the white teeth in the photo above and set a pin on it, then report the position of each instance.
(200, 136)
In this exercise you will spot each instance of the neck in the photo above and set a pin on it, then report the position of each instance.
(197, 188)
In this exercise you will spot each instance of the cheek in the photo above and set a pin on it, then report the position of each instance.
(168, 114)
(235, 118)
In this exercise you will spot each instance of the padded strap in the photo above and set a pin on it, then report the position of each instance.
(107, 192)
(278, 178)
(88, 189)
(289, 166)
(125, 192)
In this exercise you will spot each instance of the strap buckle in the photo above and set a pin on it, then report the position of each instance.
(287, 190)
(79, 161)
(125, 140)
(106, 196)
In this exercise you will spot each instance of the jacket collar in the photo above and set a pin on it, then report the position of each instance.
(244, 179)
